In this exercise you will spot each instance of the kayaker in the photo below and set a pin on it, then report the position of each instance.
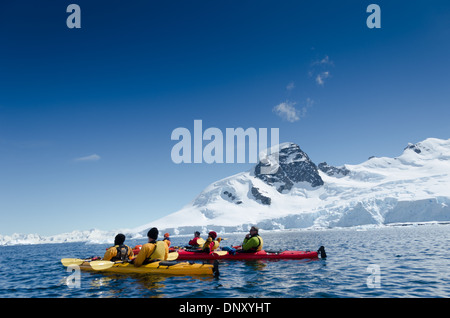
(152, 250)
(211, 243)
(252, 241)
(197, 240)
(120, 251)
(167, 239)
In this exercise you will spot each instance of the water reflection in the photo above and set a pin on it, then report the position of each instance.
(100, 282)
(256, 265)
(103, 284)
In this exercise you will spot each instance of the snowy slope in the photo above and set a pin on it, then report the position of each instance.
(414, 187)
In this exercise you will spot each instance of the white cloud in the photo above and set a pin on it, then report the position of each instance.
(325, 61)
(290, 86)
(93, 157)
(320, 70)
(287, 111)
(320, 78)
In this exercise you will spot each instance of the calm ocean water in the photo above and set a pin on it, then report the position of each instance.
(396, 262)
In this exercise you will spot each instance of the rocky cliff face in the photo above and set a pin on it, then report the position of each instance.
(333, 171)
(294, 166)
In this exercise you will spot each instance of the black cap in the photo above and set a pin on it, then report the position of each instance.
(153, 233)
(119, 239)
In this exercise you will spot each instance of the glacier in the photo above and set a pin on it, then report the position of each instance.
(411, 188)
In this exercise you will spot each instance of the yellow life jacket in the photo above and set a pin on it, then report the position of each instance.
(160, 250)
(207, 244)
(200, 241)
(216, 245)
(260, 246)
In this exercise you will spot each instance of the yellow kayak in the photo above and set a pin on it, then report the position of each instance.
(160, 267)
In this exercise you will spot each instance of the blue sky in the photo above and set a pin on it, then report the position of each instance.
(86, 114)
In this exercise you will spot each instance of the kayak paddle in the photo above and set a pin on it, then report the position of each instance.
(220, 253)
(172, 256)
(101, 265)
(73, 261)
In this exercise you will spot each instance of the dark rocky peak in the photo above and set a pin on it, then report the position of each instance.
(414, 147)
(294, 166)
(333, 171)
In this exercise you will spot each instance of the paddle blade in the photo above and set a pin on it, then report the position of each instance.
(201, 241)
(220, 253)
(71, 261)
(172, 256)
(101, 265)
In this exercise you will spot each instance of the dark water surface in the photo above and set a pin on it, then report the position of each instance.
(396, 262)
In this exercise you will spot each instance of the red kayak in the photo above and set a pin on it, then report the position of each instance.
(196, 255)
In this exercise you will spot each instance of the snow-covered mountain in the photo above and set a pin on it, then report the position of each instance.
(414, 187)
